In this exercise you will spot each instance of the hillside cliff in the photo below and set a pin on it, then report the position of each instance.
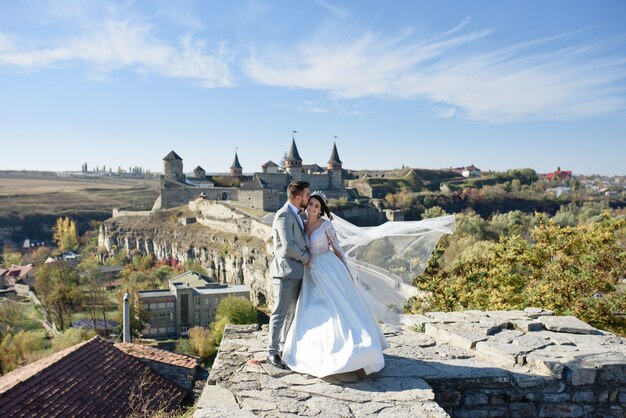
(230, 253)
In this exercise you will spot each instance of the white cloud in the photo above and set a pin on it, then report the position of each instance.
(334, 9)
(129, 43)
(535, 80)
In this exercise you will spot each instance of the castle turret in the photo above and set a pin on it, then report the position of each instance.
(235, 168)
(293, 162)
(334, 167)
(334, 163)
(173, 167)
(199, 173)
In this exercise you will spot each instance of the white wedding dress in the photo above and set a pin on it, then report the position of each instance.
(333, 331)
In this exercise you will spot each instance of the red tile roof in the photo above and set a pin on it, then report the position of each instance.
(91, 379)
(156, 354)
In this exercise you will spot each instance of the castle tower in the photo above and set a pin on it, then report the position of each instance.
(334, 163)
(334, 169)
(293, 162)
(236, 169)
(173, 167)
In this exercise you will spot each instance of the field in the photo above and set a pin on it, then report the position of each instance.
(31, 202)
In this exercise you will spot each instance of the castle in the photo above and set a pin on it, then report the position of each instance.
(265, 190)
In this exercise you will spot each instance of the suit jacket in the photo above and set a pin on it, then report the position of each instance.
(290, 246)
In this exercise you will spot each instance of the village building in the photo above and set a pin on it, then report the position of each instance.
(99, 379)
(559, 175)
(191, 300)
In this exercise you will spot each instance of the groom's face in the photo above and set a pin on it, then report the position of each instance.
(304, 202)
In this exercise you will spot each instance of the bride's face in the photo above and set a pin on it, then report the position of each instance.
(313, 209)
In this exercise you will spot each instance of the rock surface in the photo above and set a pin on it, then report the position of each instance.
(467, 364)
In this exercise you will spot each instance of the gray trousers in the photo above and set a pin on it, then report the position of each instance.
(286, 292)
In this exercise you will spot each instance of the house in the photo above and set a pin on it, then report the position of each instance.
(558, 191)
(270, 167)
(98, 379)
(14, 274)
(191, 300)
(559, 175)
(471, 171)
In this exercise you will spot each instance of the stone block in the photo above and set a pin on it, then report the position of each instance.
(611, 366)
(416, 319)
(585, 396)
(557, 397)
(216, 397)
(448, 398)
(450, 317)
(537, 312)
(622, 397)
(439, 332)
(556, 337)
(530, 342)
(475, 398)
(498, 353)
(546, 364)
(413, 410)
(560, 410)
(523, 410)
(505, 336)
(527, 325)
(492, 411)
(569, 324)
(579, 375)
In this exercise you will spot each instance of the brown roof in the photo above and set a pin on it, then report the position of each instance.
(91, 379)
(156, 354)
(18, 271)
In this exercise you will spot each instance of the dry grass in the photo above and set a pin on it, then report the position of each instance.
(31, 202)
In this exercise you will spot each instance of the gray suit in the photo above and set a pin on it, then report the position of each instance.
(287, 270)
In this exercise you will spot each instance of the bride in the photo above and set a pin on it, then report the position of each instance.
(333, 331)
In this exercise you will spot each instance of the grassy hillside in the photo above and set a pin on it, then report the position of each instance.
(31, 202)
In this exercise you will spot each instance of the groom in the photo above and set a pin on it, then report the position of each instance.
(287, 268)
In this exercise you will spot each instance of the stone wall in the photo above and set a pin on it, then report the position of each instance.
(466, 364)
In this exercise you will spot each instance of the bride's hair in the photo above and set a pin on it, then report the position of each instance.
(324, 207)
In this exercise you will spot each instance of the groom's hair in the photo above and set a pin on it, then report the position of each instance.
(296, 188)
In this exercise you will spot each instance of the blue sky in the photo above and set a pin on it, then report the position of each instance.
(429, 84)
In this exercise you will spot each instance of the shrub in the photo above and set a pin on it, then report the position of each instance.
(201, 343)
(233, 310)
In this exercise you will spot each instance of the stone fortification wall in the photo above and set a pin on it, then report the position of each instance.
(180, 196)
(263, 199)
(274, 180)
(466, 364)
(121, 212)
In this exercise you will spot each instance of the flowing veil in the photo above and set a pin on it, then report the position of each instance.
(383, 260)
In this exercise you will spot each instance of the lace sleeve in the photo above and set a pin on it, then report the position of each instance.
(334, 242)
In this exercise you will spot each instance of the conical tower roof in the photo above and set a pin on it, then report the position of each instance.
(293, 152)
(236, 163)
(172, 156)
(334, 156)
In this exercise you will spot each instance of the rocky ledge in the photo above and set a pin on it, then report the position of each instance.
(462, 364)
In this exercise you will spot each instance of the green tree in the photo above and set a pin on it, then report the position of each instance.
(233, 310)
(11, 257)
(96, 299)
(58, 288)
(433, 212)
